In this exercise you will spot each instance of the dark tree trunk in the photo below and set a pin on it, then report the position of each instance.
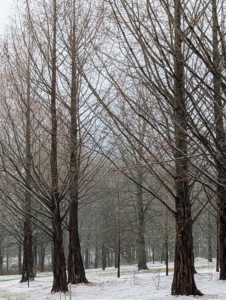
(217, 250)
(34, 255)
(76, 272)
(59, 264)
(1, 254)
(104, 257)
(210, 254)
(183, 280)
(7, 260)
(27, 269)
(222, 238)
(167, 244)
(19, 259)
(153, 253)
(142, 262)
(96, 257)
(221, 147)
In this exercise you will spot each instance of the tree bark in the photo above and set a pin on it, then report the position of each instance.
(142, 263)
(1, 254)
(59, 267)
(27, 269)
(221, 148)
(19, 259)
(76, 271)
(183, 280)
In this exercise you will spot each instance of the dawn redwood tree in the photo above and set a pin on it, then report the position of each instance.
(221, 144)
(79, 28)
(76, 271)
(18, 72)
(183, 280)
(207, 124)
(59, 264)
(27, 269)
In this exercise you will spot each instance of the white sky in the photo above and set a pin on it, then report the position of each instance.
(5, 11)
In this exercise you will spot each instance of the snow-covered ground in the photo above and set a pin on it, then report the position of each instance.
(132, 285)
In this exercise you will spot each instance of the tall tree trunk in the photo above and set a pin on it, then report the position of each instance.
(167, 243)
(221, 148)
(59, 267)
(96, 257)
(19, 259)
(34, 255)
(104, 260)
(210, 254)
(1, 254)
(76, 271)
(142, 263)
(183, 279)
(27, 269)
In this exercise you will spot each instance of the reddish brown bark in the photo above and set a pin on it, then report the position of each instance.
(59, 264)
(59, 267)
(183, 280)
(76, 271)
(220, 146)
(27, 269)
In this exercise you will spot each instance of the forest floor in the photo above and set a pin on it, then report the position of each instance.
(150, 284)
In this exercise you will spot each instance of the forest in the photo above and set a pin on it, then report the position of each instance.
(113, 138)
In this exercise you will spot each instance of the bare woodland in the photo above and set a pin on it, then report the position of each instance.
(113, 139)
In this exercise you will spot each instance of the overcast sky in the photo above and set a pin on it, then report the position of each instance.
(5, 11)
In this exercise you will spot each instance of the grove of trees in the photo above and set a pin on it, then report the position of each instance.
(113, 139)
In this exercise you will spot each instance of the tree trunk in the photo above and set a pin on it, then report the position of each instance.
(96, 257)
(1, 254)
(210, 254)
(142, 262)
(34, 255)
(217, 249)
(59, 266)
(27, 270)
(183, 280)
(7, 260)
(153, 253)
(19, 259)
(221, 147)
(76, 272)
(104, 257)
(167, 244)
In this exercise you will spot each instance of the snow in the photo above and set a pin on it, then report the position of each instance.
(132, 285)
